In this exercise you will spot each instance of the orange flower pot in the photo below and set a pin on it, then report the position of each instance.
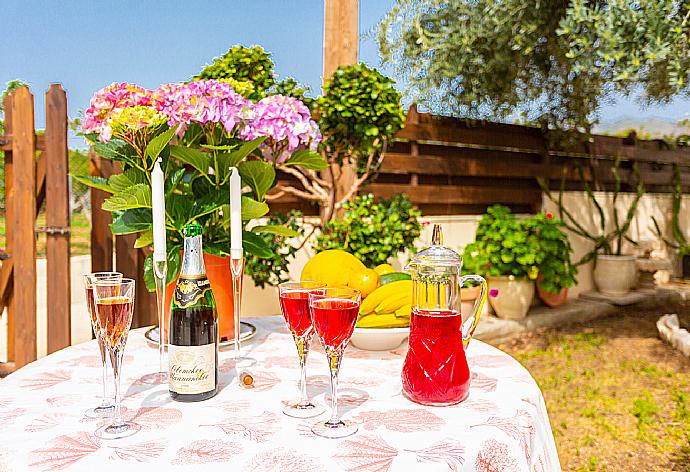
(218, 272)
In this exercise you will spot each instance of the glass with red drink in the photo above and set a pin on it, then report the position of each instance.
(294, 304)
(106, 407)
(114, 301)
(334, 315)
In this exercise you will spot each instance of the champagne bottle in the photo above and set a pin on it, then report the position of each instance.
(193, 348)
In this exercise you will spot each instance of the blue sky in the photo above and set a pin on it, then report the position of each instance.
(87, 44)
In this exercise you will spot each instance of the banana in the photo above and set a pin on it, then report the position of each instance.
(394, 302)
(404, 312)
(385, 320)
(383, 292)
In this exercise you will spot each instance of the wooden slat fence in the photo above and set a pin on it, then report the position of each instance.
(457, 166)
(35, 172)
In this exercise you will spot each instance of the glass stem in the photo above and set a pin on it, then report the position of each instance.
(334, 358)
(303, 351)
(237, 270)
(116, 359)
(160, 272)
(101, 345)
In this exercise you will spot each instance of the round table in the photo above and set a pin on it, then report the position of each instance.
(502, 426)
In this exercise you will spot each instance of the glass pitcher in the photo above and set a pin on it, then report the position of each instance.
(435, 371)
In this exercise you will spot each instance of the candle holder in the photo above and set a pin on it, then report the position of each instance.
(237, 271)
(160, 271)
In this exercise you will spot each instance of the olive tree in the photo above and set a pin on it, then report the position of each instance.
(554, 62)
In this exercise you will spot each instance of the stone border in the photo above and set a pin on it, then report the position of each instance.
(581, 310)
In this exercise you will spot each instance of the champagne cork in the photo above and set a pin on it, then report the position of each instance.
(246, 379)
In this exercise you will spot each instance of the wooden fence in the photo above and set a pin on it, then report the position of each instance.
(453, 166)
(35, 172)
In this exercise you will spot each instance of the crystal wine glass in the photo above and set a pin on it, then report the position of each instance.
(106, 407)
(114, 308)
(294, 304)
(334, 315)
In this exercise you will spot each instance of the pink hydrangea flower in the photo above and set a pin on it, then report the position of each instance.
(287, 123)
(109, 101)
(203, 101)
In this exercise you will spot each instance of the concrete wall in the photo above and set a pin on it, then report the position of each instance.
(458, 232)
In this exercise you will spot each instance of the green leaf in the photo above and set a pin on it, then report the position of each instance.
(132, 221)
(115, 150)
(137, 196)
(307, 159)
(259, 175)
(173, 268)
(244, 150)
(157, 144)
(93, 181)
(252, 209)
(274, 229)
(145, 240)
(125, 180)
(255, 245)
(201, 161)
(179, 208)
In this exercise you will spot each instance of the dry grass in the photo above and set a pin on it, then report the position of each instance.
(618, 397)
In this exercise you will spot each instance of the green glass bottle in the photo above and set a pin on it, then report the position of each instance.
(193, 348)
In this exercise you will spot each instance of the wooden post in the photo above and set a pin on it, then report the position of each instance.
(23, 200)
(57, 221)
(6, 279)
(340, 47)
(130, 262)
(340, 35)
(101, 237)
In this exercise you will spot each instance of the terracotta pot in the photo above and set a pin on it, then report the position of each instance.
(552, 299)
(615, 275)
(514, 297)
(218, 272)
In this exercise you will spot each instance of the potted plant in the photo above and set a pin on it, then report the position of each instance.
(508, 255)
(199, 130)
(615, 273)
(556, 272)
(680, 243)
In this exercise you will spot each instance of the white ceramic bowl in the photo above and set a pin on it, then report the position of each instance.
(379, 339)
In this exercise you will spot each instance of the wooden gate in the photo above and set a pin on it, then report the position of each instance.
(36, 169)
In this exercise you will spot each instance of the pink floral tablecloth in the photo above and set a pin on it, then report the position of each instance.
(502, 427)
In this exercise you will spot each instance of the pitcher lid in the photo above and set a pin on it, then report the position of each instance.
(436, 254)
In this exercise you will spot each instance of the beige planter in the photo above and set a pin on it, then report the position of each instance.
(514, 297)
(615, 275)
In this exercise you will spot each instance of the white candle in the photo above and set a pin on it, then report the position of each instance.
(158, 204)
(235, 214)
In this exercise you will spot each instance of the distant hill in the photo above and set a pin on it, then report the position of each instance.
(654, 127)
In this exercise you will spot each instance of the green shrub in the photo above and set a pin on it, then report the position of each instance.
(556, 271)
(273, 270)
(243, 65)
(373, 231)
(359, 111)
(503, 247)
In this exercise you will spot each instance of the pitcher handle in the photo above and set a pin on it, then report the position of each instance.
(470, 324)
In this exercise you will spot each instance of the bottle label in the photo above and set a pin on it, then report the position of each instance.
(191, 369)
(190, 289)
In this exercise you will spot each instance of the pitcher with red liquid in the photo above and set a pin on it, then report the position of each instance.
(435, 371)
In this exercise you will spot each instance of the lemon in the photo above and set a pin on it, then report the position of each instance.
(334, 267)
(365, 281)
(383, 269)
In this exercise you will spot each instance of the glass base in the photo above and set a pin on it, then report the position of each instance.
(337, 430)
(243, 362)
(121, 430)
(307, 410)
(156, 378)
(103, 411)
